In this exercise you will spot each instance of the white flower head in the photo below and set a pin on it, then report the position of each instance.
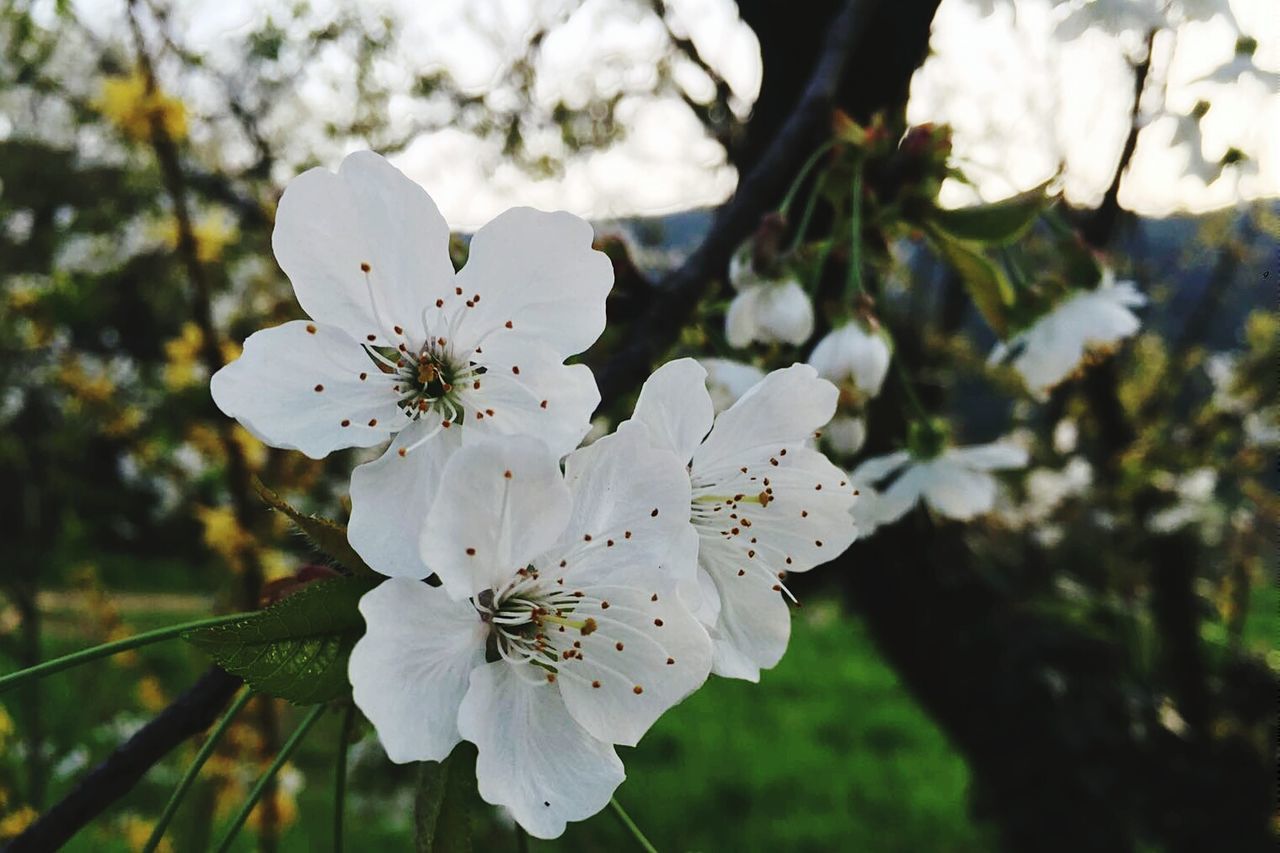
(957, 483)
(727, 380)
(853, 358)
(399, 345)
(1088, 321)
(766, 309)
(764, 504)
(845, 434)
(555, 633)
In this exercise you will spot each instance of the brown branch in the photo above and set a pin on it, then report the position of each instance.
(190, 714)
(679, 291)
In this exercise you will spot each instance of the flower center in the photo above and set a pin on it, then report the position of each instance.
(721, 515)
(526, 614)
(430, 378)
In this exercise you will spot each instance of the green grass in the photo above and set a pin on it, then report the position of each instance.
(827, 752)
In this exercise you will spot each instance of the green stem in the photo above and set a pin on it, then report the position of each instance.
(261, 785)
(802, 174)
(854, 285)
(522, 840)
(631, 826)
(340, 776)
(206, 749)
(49, 667)
(809, 206)
(908, 389)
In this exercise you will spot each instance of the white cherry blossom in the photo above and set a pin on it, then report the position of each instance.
(763, 503)
(852, 356)
(845, 434)
(1088, 321)
(957, 483)
(399, 345)
(556, 632)
(727, 380)
(765, 309)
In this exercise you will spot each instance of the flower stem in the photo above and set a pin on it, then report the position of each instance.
(908, 389)
(802, 174)
(13, 679)
(853, 287)
(340, 776)
(805, 217)
(206, 749)
(631, 826)
(261, 785)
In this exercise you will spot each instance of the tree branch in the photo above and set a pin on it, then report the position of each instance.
(680, 290)
(190, 714)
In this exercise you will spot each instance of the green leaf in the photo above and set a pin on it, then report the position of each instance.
(1000, 223)
(328, 536)
(443, 802)
(297, 648)
(987, 284)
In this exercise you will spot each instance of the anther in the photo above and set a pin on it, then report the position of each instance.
(403, 451)
(604, 605)
(657, 622)
(637, 690)
(653, 597)
(399, 331)
(373, 422)
(515, 368)
(618, 646)
(507, 324)
(364, 267)
(543, 404)
(458, 291)
(364, 376)
(346, 423)
(589, 627)
(626, 534)
(319, 388)
(311, 329)
(471, 552)
(370, 338)
(671, 661)
(595, 684)
(507, 474)
(654, 514)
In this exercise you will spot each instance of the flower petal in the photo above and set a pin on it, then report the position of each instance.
(753, 625)
(505, 503)
(740, 322)
(393, 495)
(996, 456)
(412, 667)
(331, 227)
(538, 272)
(785, 314)
(630, 504)
(528, 390)
(876, 468)
(954, 490)
(782, 411)
(727, 380)
(298, 386)
(533, 758)
(676, 407)
(646, 652)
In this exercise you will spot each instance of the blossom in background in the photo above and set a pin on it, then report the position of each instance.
(763, 503)
(560, 580)
(956, 483)
(401, 346)
(1088, 321)
(126, 103)
(766, 308)
(727, 380)
(856, 360)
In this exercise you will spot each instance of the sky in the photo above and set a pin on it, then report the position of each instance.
(1026, 107)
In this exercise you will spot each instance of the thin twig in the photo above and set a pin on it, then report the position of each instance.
(191, 713)
(679, 292)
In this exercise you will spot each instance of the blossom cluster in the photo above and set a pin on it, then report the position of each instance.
(545, 601)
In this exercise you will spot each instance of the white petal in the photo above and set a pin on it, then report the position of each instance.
(528, 390)
(538, 272)
(412, 667)
(727, 380)
(852, 354)
(954, 491)
(532, 757)
(845, 434)
(630, 504)
(646, 653)
(784, 314)
(391, 499)
(741, 323)
(675, 406)
(996, 456)
(875, 469)
(272, 389)
(504, 502)
(754, 624)
(701, 597)
(897, 500)
(329, 226)
(784, 410)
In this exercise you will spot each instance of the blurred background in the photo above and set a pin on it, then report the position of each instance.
(1091, 665)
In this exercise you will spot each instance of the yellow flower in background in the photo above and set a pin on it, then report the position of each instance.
(16, 821)
(182, 367)
(151, 695)
(137, 829)
(6, 727)
(255, 452)
(213, 232)
(223, 534)
(126, 103)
